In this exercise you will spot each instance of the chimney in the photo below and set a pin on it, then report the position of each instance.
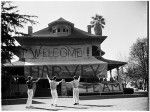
(89, 28)
(30, 30)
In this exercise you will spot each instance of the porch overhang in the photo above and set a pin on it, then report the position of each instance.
(88, 61)
(111, 63)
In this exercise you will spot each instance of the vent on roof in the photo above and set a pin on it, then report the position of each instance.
(89, 28)
(61, 21)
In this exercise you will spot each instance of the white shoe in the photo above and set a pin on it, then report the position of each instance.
(55, 105)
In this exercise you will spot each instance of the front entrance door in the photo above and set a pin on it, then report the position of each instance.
(43, 88)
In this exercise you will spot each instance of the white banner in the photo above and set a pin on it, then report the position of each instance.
(66, 52)
(67, 71)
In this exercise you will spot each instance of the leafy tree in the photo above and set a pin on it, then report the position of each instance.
(139, 60)
(123, 76)
(98, 23)
(11, 20)
(139, 56)
(131, 72)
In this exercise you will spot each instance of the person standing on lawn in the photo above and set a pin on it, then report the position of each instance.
(30, 84)
(53, 86)
(75, 85)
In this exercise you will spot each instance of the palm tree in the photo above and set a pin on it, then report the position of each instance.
(98, 23)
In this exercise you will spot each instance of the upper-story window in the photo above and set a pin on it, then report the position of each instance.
(54, 30)
(61, 27)
(58, 30)
(64, 30)
(61, 30)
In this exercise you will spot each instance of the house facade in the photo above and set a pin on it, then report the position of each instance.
(62, 50)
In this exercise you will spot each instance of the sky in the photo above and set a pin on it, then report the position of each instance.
(125, 20)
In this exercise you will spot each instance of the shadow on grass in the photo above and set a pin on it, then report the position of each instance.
(18, 101)
(113, 96)
(76, 107)
(98, 105)
(33, 107)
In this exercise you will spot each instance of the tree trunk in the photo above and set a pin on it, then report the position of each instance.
(98, 30)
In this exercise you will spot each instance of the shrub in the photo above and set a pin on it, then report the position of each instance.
(128, 90)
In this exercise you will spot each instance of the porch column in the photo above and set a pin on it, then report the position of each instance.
(117, 73)
(118, 77)
(110, 74)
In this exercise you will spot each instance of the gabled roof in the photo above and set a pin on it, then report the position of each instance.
(59, 40)
(45, 36)
(61, 20)
(77, 33)
(43, 32)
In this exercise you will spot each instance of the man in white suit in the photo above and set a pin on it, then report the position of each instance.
(53, 86)
(75, 85)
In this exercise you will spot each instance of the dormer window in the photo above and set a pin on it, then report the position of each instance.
(61, 27)
(61, 30)
(54, 30)
(64, 30)
(58, 30)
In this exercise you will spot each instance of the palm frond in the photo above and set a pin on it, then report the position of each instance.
(98, 19)
(103, 21)
(92, 26)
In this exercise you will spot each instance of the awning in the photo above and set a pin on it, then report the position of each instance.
(88, 61)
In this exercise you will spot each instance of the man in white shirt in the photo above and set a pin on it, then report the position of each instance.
(75, 85)
(53, 87)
